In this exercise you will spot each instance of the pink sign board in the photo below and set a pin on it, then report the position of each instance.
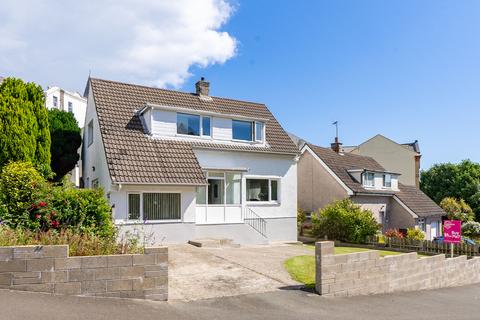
(452, 231)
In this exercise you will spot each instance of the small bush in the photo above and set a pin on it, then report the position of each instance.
(301, 218)
(415, 234)
(343, 220)
(457, 209)
(393, 233)
(27, 201)
(86, 244)
(20, 186)
(471, 229)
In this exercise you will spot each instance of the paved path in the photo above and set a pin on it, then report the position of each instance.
(453, 303)
(199, 273)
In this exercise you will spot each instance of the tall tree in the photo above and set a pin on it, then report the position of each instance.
(66, 139)
(24, 133)
(461, 181)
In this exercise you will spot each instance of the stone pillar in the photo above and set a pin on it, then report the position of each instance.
(324, 260)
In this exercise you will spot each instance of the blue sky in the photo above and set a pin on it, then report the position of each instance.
(407, 69)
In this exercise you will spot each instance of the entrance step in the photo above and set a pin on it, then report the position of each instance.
(213, 243)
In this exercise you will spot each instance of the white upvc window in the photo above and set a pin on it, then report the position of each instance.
(55, 101)
(154, 206)
(194, 125)
(387, 180)
(259, 131)
(262, 189)
(224, 188)
(369, 179)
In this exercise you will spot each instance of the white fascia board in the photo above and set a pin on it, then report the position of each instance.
(405, 207)
(324, 165)
(200, 112)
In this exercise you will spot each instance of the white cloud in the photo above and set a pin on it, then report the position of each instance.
(150, 42)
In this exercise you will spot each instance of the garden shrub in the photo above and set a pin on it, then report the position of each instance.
(393, 233)
(457, 209)
(415, 234)
(20, 185)
(80, 244)
(471, 229)
(301, 218)
(27, 201)
(343, 220)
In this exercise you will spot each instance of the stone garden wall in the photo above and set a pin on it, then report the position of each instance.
(50, 269)
(366, 273)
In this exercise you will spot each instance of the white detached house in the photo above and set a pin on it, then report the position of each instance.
(189, 165)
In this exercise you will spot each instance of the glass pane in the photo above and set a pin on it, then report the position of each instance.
(242, 130)
(234, 187)
(201, 195)
(216, 191)
(273, 192)
(258, 131)
(206, 126)
(188, 124)
(161, 206)
(133, 206)
(257, 189)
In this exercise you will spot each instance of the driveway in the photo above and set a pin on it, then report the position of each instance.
(202, 273)
(443, 304)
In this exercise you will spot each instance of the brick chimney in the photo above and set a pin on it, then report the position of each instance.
(202, 87)
(336, 146)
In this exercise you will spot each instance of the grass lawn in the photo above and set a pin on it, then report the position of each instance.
(302, 268)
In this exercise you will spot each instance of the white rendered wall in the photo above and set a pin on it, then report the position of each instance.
(79, 104)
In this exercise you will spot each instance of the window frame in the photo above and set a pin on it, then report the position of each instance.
(364, 179)
(140, 206)
(70, 106)
(210, 175)
(199, 124)
(141, 216)
(55, 101)
(384, 180)
(262, 131)
(90, 134)
(252, 130)
(270, 179)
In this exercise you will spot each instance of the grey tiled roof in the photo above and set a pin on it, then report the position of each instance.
(134, 157)
(340, 164)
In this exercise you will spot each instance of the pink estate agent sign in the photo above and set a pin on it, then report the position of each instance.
(452, 231)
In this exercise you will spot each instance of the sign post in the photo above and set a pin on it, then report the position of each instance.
(452, 233)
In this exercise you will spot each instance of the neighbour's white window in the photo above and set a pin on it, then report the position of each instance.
(70, 106)
(259, 131)
(369, 179)
(90, 133)
(262, 190)
(55, 101)
(387, 180)
(134, 206)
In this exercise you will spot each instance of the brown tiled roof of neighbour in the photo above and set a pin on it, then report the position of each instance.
(134, 157)
(418, 202)
(340, 164)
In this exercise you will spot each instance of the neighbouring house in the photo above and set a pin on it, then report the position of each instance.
(325, 176)
(185, 166)
(398, 157)
(58, 98)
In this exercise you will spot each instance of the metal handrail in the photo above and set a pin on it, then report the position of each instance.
(255, 221)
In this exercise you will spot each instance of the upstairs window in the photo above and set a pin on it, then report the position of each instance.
(55, 101)
(387, 180)
(242, 130)
(206, 126)
(188, 124)
(259, 131)
(369, 179)
(70, 106)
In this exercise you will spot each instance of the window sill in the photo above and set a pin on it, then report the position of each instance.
(218, 205)
(263, 203)
(147, 222)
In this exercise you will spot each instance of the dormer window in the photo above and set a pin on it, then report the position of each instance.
(387, 180)
(188, 124)
(259, 131)
(242, 130)
(206, 131)
(369, 179)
